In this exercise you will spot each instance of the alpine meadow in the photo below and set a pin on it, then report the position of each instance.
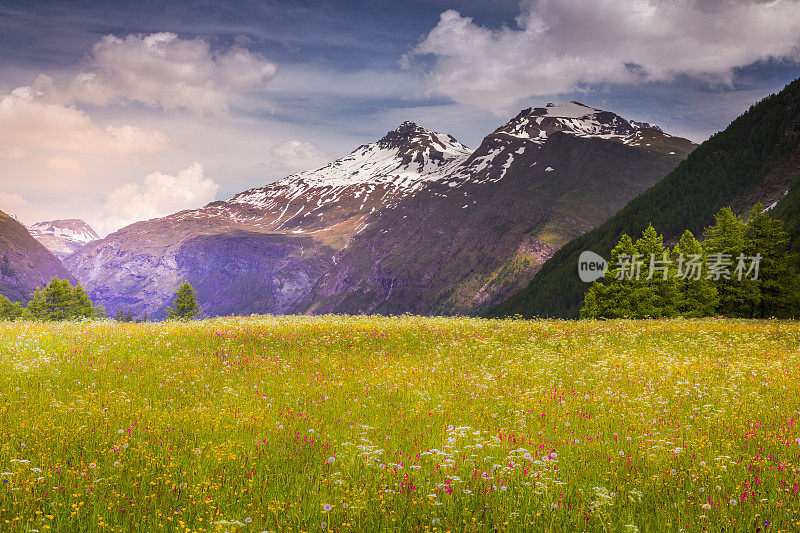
(330, 266)
(402, 424)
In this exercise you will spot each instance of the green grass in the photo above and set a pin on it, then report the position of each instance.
(408, 424)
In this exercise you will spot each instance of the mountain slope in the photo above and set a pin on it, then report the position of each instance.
(63, 237)
(757, 158)
(270, 243)
(393, 226)
(452, 250)
(24, 262)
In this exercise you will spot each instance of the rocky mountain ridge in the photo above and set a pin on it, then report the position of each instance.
(306, 225)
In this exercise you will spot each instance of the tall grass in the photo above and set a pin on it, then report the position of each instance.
(407, 424)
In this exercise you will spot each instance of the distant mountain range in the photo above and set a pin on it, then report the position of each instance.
(415, 221)
(756, 159)
(63, 237)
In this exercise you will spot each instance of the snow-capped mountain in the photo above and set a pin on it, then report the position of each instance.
(306, 242)
(537, 124)
(63, 237)
(373, 176)
(532, 128)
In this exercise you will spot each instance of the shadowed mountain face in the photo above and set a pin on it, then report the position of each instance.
(243, 272)
(413, 222)
(755, 159)
(25, 264)
(452, 250)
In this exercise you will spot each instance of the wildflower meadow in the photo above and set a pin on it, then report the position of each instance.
(399, 424)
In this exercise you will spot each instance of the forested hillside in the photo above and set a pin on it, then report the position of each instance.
(756, 159)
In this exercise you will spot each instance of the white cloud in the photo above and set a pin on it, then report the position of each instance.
(162, 70)
(12, 204)
(295, 155)
(561, 46)
(287, 158)
(159, 195)
(28, 122)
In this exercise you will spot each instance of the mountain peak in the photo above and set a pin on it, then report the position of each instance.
(419, 145)
(409, 124)
(402, 160)
(72, 229)
(63, 237)
(533, 126)
(573, 117)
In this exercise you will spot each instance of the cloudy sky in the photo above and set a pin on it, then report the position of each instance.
(120, 112)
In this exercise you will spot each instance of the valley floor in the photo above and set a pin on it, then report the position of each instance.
(407, 423)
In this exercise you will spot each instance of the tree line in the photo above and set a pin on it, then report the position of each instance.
(60, 300)
(740, 269)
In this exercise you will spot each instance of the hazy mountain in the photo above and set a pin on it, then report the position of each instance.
(63, 237)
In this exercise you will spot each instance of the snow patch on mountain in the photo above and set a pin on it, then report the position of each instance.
(537, 124)
(73, 230)
(63, 237)
(405, 159)
(532, 127)
(336, 197)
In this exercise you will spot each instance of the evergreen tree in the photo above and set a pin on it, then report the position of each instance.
(614, 298)
(129, 316)
(119, 316)
(697, 296)
(60, 301)
(10, 310)
(725, 241)
(657, 293)
(619, 295)
(592, 300)
(185, 305)
(777, 289)
(618, 299)
(81, 305)
(741, 270)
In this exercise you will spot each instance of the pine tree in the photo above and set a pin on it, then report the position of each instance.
(60, 301)
(185, 305)
(119, 316)
(640, 282)
(725, 241)
(618, 300)
(129, 316)
(615, 297)
(697, 296)
(777, 290)
(81, 306)
(657, 292)
(591, 301)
